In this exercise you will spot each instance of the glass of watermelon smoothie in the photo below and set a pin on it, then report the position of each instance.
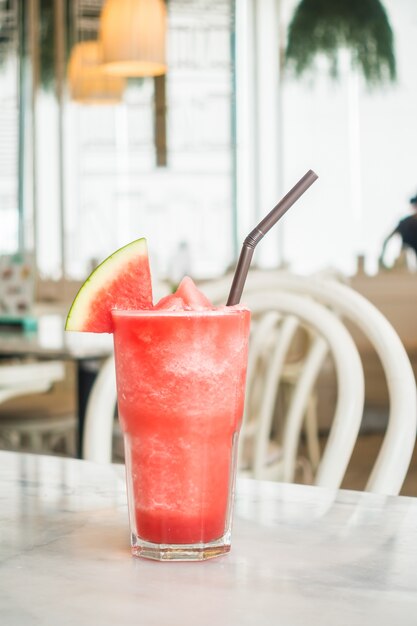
(180, 372)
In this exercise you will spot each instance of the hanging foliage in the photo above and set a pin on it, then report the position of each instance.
(327, 26)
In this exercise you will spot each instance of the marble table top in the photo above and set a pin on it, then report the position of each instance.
(300, 555)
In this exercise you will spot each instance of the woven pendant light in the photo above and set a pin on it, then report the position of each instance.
(133, 34)
(88, 83)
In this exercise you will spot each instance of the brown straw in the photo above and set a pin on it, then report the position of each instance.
(260, 231)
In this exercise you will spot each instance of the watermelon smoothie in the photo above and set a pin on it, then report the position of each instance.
(180, 382)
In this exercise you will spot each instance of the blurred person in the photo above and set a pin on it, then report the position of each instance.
(406, 229)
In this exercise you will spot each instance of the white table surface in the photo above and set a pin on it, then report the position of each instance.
(300, 556)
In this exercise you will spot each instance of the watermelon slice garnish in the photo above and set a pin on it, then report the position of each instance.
(122, 281)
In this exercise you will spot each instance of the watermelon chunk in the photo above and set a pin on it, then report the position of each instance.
(192, 296)
(187, 298)
(122, 281)
(170, 303)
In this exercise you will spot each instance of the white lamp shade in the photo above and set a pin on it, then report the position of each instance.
(133, 34)
(88, 83)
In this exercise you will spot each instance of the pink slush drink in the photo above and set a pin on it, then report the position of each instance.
(181, 381)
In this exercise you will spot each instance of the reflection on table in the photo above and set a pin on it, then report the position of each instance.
(300, 555)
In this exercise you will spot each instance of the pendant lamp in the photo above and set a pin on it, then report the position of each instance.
(88, 83)
(132, 34)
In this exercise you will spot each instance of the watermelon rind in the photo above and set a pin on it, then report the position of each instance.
(104, 274)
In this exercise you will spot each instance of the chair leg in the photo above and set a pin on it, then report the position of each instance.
(312, 431)
(303, 466)
(36, 442)
(15, 440)
(70, 443)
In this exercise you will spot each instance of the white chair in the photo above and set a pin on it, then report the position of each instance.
(284, 313)
(100, 416)
(269, 293)
(277, 318)
(288, 381)
(31, 432)
(394, 457)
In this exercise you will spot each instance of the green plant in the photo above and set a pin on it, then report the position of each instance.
(327, 26)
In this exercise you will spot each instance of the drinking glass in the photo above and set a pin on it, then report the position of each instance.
(181, 386)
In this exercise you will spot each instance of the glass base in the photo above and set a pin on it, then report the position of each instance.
(179, 552)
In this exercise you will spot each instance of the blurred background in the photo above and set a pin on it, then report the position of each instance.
(193, 157)
(186, 121)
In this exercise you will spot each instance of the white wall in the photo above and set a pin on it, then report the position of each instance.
(330, 227)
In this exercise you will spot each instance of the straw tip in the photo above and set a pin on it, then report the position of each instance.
(312, 174)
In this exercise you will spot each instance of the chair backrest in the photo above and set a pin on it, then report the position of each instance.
(99, 416)
(284, 295)
(395, 454)
(278, 318)
(327, 336)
